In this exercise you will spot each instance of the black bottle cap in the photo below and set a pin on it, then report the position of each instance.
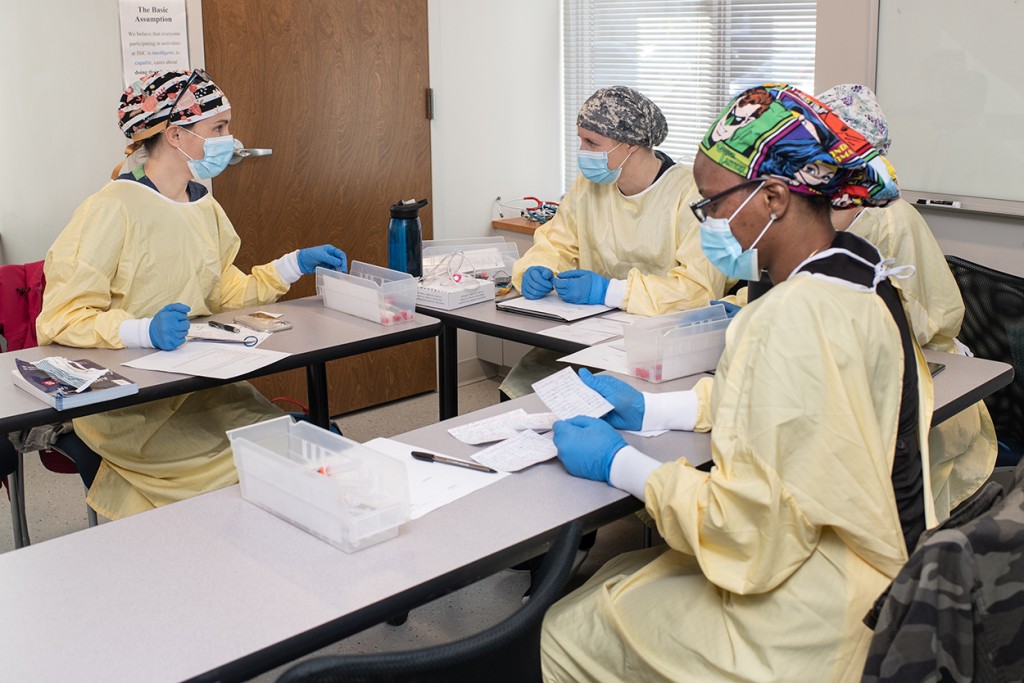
(409, 208)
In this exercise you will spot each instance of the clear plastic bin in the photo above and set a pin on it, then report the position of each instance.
(336, 489)
(676, 345)
(382, 295)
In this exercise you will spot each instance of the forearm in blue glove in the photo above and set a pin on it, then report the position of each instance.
(537, 282)
(730, 309)
(629, 403)
(169, 327)
(587, 446)
(324, 256)
(581, 286)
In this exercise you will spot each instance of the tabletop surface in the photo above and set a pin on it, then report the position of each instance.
(336, 335)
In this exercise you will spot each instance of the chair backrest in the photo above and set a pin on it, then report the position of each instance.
(21, 300)
(994, 328)
(507, 652)
(955, 611)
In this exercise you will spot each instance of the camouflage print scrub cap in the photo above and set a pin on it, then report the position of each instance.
(623, 114)
(780, 132)
(858, 106)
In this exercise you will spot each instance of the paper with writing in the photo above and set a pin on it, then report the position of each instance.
(565, 394)
(525, 449)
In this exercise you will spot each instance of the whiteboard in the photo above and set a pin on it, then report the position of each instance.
(950, 76)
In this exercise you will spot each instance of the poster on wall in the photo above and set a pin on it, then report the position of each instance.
(154, 37)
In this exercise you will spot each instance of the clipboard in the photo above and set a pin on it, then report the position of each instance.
(550, 307)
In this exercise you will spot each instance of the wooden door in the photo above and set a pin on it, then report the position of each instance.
(337, 88)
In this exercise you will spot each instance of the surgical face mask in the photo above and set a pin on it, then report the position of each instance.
(594, 166)
(724, 251)
(217, 153)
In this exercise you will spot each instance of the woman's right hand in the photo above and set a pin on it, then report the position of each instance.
(169, 327)
(537, 282)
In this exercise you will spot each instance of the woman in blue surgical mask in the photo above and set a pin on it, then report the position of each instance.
(148, 251)
(623, 235)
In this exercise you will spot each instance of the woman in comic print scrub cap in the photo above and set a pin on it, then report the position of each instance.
(818, 411)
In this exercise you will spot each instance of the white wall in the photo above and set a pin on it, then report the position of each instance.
(844, 40)
(60, 81)
(495, 67)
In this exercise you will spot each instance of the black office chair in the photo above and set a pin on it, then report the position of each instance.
(994, 329)
(507, 652)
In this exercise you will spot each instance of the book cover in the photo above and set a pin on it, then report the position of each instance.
(60, 396)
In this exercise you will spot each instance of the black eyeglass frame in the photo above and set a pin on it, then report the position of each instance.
(196, 74)
(700, 208)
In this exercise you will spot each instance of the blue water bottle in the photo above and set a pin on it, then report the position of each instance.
(405, 237)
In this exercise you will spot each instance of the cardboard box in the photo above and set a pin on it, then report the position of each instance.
(456, 296)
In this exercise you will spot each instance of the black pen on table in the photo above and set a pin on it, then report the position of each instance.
(223, 326)
(444, 460)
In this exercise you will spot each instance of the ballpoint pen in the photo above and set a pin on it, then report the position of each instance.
(431, 457)
(222, 326)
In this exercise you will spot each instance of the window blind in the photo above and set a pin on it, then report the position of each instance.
(689, 56)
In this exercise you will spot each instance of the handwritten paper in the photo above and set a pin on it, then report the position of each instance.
(494, 428)
(565, 394)
(220, 361)
(503, 426)
(525, 449)
(433, 485)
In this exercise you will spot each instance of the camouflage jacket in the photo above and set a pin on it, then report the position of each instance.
(955, 612)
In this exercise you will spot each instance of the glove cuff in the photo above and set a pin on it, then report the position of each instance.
(288, 267)
(670, 410)
(615, 294)
(135, 334)
(630, 471)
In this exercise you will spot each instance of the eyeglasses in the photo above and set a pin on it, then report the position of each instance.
(196, 75)
(700, 209)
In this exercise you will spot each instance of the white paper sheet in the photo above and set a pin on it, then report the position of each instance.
(525, 449)
(552, 307)
(580, 335)
(203, 332)
(432, 484)
(220, 361)
(603, 323)
(609, 356)
(539, 422)
(623, 317)
(565, 394)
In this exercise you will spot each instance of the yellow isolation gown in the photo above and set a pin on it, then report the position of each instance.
(651, 240)
(127, 252)
(963, 449)
(776, 554)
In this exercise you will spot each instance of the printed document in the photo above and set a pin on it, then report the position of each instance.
(432, 484)
(219, 361)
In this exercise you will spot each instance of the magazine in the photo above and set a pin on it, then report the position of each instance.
(62, 396)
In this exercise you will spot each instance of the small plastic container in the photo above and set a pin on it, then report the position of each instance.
(336, 489)
(382, 295)
(676, 345)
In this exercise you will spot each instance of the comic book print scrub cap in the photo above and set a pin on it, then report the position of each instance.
(162, 98)
(623, 114)
(779, 131)
(857, 105)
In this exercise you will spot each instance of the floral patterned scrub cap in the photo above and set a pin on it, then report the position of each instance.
(858, 106)
(777, 130)
(146, 106)
(623, 114)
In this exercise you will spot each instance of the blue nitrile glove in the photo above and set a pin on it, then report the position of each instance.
(730, 309)
(581, 286)
(587, 446)
(324, 256)
(537, 282)
(629, 403)
(169, 327)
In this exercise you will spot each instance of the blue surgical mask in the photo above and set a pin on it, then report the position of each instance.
(723, 250)
(594, 166)
(217, 152)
